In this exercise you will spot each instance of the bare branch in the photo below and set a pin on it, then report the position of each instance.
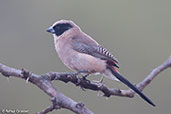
(87, 84)
(154, 73)
(61, 101)
(44, 84)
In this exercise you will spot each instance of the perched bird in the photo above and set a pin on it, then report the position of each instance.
(80, 52)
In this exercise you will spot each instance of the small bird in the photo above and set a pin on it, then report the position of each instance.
(80, 52)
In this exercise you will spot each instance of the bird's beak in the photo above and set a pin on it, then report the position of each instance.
(50, 30)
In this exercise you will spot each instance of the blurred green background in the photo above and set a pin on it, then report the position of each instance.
(137, 32)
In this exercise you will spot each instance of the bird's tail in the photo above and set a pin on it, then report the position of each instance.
(116, 73)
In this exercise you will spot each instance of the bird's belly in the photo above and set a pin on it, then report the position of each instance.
(84, 62)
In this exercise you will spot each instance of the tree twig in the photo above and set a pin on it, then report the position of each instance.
(61, 101)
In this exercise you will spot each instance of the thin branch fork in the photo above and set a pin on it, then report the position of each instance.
(59, 100)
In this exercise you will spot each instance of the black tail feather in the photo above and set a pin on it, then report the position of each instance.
(130, 85)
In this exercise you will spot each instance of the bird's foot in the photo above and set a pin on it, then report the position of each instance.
(100, 82)
(81, 81)
(84, 74)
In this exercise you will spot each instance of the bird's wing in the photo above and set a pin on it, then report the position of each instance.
(89, 47)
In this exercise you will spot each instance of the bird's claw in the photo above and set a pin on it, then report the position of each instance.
(79, 83)
(100, 82)
(84, 73)
(85, 76)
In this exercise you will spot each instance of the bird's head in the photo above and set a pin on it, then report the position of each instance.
(60, 27)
